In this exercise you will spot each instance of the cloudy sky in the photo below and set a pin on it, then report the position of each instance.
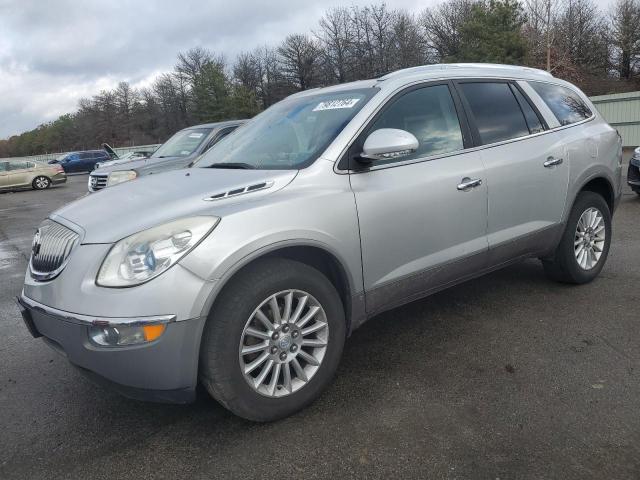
(54, 52)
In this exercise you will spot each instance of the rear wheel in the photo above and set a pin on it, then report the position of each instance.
(584, 246)
(40, 183)
(273, 340)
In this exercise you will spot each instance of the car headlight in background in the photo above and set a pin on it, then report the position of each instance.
(120, 177)
(145, 255)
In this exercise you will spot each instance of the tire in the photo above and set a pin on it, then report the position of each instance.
(221, 371)
(636, 190)
(564, 265)
(41, 183)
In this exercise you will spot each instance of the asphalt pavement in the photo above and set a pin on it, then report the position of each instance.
(506, 376)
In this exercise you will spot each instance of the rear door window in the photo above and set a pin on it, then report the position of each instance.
(565, 104)
(18, 165)
(530, 115)
(495, 110)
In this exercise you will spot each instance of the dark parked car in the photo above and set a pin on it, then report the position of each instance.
(180, 151)
(633, 174)
(81, 161)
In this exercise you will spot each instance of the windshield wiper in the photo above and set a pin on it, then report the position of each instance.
(238, 165)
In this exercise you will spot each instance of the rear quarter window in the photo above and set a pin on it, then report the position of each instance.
(565, 104)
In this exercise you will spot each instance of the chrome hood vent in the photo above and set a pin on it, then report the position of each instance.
(50, 250)
(239, 191)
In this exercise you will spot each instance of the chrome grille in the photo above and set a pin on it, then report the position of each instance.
(97, 182)
(51, 247)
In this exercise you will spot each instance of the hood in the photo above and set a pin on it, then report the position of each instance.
(119, 211)
(107, 148)
(141, 165)
(118, 161)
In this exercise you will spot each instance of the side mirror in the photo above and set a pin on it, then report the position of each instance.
(388, 143)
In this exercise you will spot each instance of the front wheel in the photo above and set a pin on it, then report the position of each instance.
(41, 183)
(273, 340)
(584, 246)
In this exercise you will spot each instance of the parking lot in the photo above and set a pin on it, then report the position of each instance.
(506, 376)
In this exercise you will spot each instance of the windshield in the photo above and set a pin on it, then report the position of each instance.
(290, 134)
(183, 143)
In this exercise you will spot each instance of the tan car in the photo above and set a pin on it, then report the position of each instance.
(15, 174)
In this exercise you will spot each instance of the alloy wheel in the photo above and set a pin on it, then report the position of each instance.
(42, 182)
(283, 343)
(589, 238)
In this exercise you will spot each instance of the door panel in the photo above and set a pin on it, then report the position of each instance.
(525, 197)
(416, 225)
(72, 163)
(20, 173)
(527, 170)
(414, 221)
(4, 174)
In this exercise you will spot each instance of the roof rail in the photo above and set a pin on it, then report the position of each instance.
(451, 66)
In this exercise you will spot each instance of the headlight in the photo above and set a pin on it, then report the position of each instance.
(119, 177)
(115, 336)
(145, 255)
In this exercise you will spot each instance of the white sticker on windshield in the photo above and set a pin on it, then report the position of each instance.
(334, 104)
(185, 152)
(195, 135)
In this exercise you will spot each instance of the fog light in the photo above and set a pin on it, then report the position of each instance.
(114, 336)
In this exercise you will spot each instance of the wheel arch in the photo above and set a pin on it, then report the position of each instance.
(312, 253)
(601, 185)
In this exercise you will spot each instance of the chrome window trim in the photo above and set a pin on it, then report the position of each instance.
(392, 94)
(92, 320)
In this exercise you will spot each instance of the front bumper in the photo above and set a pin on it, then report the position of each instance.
(162, 370)
(59, 178)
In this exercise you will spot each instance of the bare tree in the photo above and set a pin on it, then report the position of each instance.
(541, 32)
(125, 98)
(299, 56)
(337, 37)
(582, 38)
(441, 27)
(409, 46)
(625, 36)
(382, 20)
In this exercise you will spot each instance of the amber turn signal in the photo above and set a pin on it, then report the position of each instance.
(152, 332)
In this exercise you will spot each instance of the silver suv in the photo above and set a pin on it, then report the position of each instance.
(248, 271)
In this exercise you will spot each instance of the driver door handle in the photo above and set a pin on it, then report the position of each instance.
(551, 161)
(467, 184)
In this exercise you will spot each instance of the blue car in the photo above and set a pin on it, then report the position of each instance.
(81, 161)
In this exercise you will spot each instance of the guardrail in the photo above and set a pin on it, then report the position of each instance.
(45, 157)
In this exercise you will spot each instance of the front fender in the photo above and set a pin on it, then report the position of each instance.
(251, 252)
